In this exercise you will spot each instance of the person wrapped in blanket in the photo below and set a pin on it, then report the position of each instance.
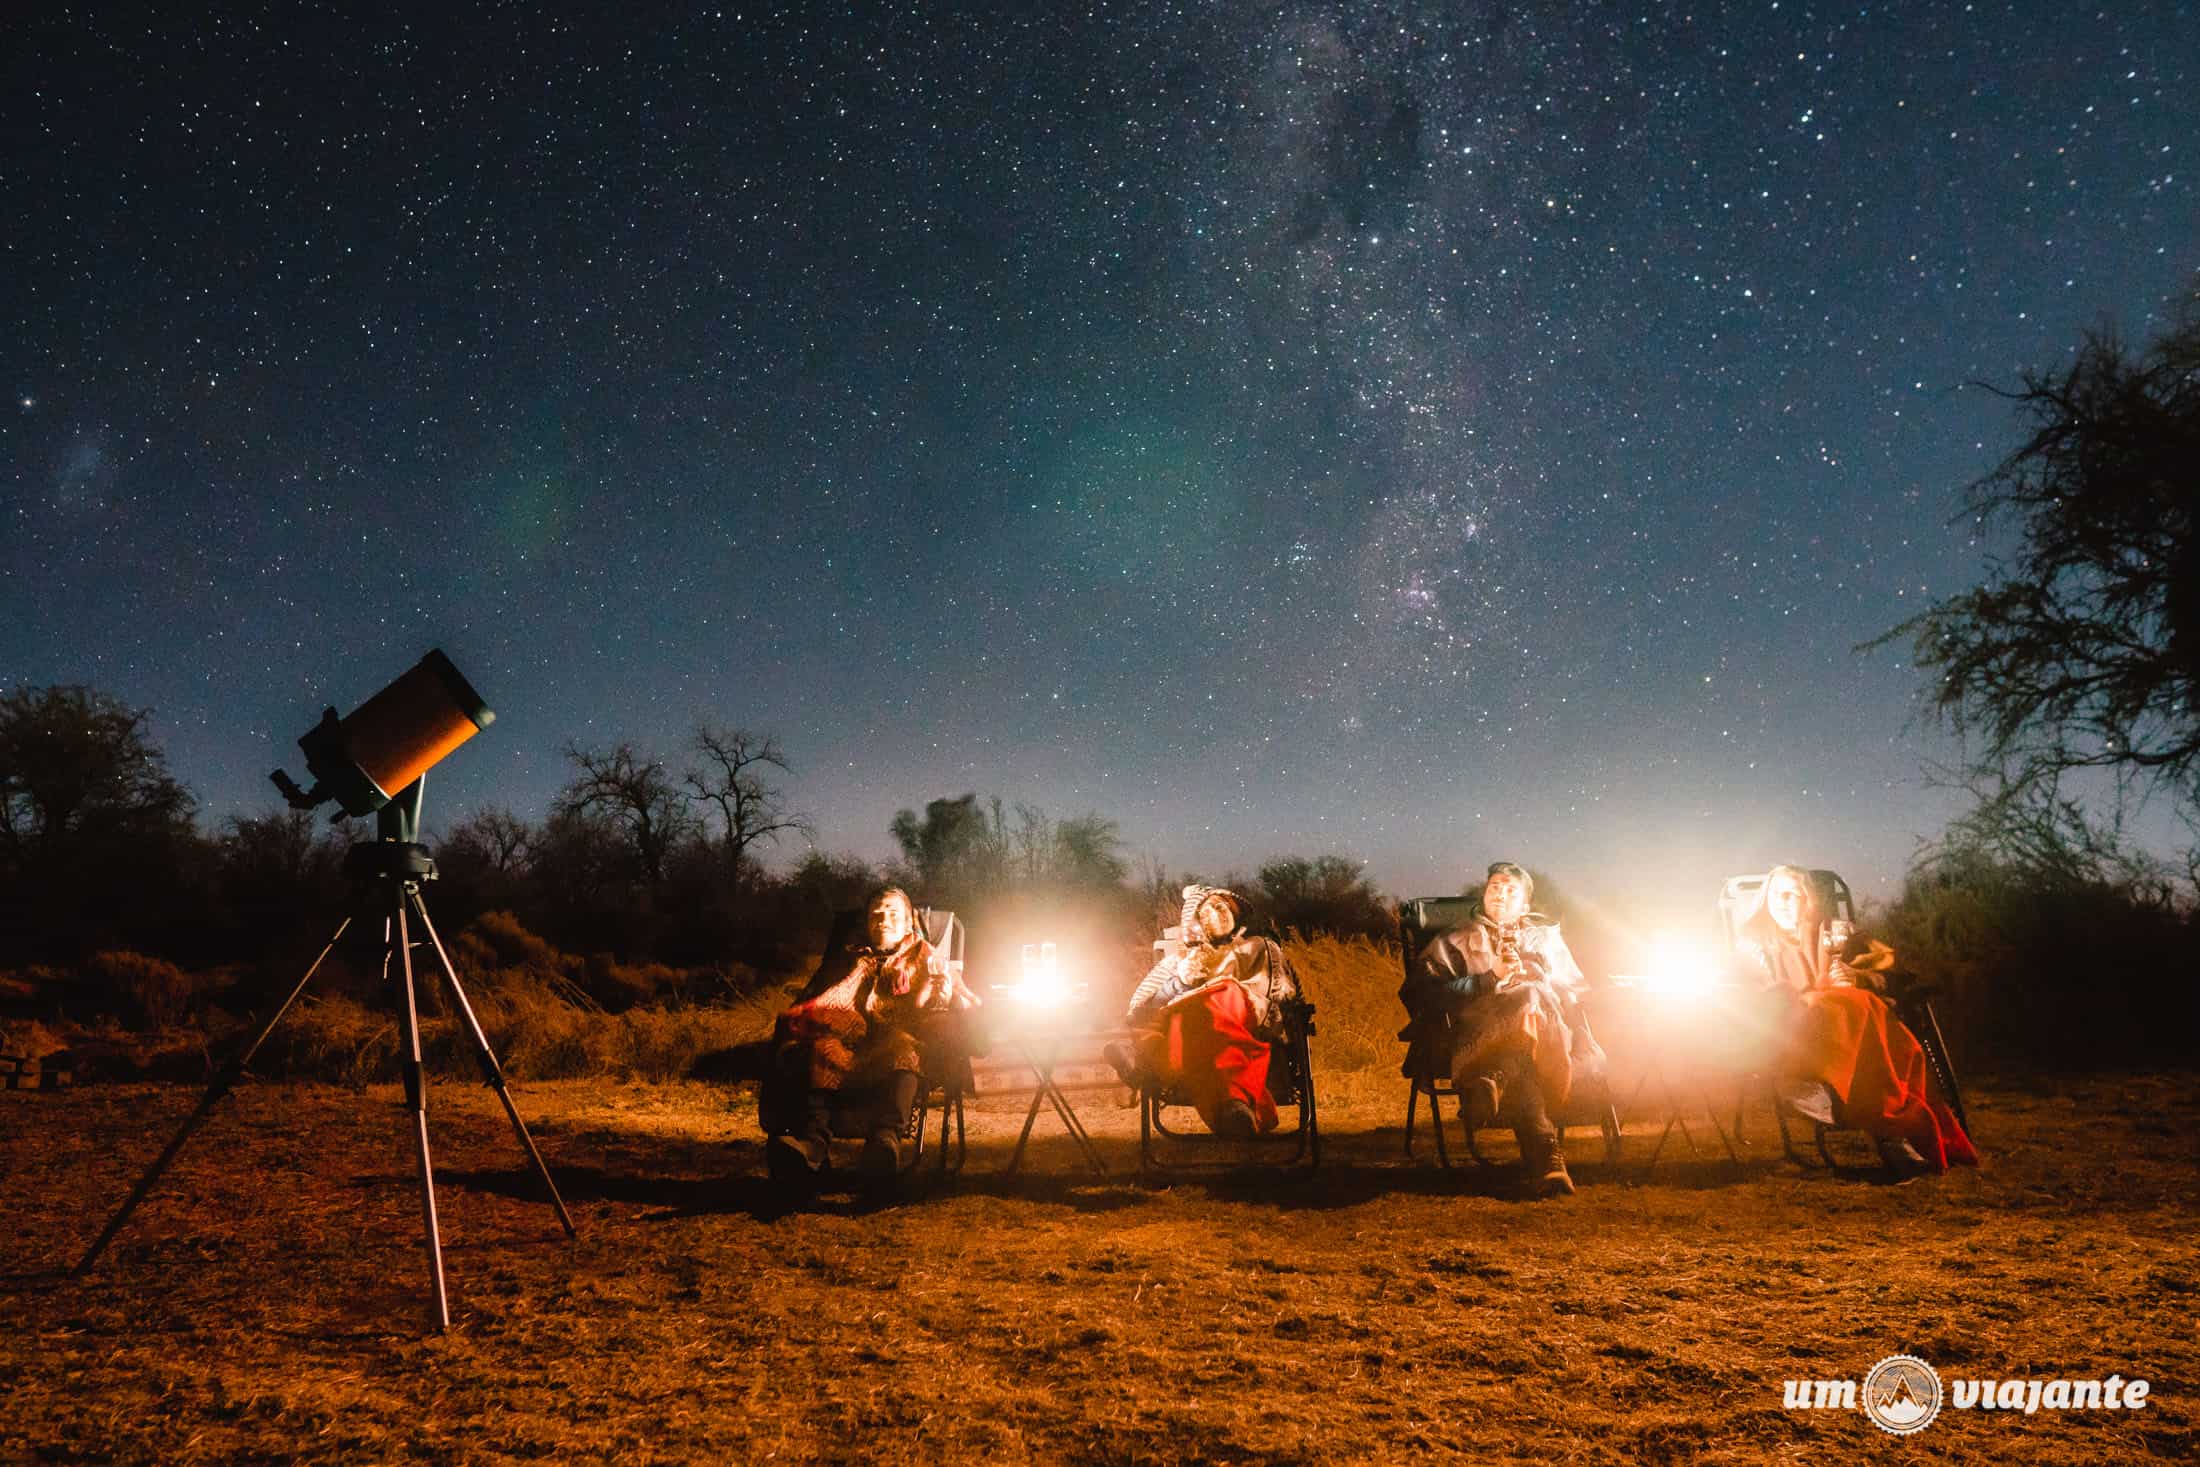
(1206, 1019)
(1503, 990)
(1842, 1043)
(854, 1045)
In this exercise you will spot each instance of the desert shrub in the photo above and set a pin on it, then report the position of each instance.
(1323, 896)
(143, 991)
(337, 1039)
(535, 1033)
(38, 986)
(29, 1038)
(2056, 974)
(497, 942)
(618, 985)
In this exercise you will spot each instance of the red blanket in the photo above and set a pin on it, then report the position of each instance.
(1209, 1046)
(1851, 1039)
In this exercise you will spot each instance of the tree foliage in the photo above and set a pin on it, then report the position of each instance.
(2082, 648)
(93, 829)
(1324, 894)
(75, 766)
(962, 848)
(953, 848)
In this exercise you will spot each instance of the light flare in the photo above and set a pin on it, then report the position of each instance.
(1678, 966)
(1042, 983)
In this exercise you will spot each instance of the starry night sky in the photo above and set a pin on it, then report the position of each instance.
(1427, 432)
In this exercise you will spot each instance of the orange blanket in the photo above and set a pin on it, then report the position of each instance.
(1851, 1039)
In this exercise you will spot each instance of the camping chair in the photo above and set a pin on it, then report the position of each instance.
(946, 1077)
(1911, 1000)
(1429, 1045)
(1290, 1084)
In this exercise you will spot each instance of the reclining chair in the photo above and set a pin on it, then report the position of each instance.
(1290, 1084)
(1428, 1040)
(1911, 1000)
(946, 1078)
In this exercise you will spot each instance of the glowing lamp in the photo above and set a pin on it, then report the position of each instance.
(1041, 977)
(1679, 967)
(366, 760)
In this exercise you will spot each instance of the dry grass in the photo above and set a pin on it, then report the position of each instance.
(266, 1302)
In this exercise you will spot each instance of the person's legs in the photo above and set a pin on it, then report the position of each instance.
(799, 1123)
(1542, 1158)
(1224, 1064)
(1141, 1058)
(1490, 1052)
(886, 1149)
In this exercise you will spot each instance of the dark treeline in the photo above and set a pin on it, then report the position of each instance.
(2053, 941)
(639, 863)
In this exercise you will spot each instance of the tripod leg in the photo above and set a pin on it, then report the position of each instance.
(416, 1099)
(222, 1084)
(492, 1073)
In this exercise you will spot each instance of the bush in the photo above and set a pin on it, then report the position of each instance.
(496, 942)
(619, 985)
(2049, 974)
(1323, 896)
(141, 991)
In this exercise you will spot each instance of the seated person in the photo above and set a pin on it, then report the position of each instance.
(856, 1039)
(1841, 1034)
(1510, 990)
(1206, 1018)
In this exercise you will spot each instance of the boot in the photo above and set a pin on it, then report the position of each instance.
(1546, 1167)
(1478, 1102)
(1124, 1060)
(891, 1146)
(796, 1163)
(1235, 1120)
(1904, 1163)
(885, 1154)
(1810, 1099)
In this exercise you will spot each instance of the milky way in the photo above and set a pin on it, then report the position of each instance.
(1426, 432)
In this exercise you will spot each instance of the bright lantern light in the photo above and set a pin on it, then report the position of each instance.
(1680, 967)
(1042, 982)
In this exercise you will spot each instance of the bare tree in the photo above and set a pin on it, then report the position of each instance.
(633, 792)
(731, 779)
(494, 840)
(1031, 845)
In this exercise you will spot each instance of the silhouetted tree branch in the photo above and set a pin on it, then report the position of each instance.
(2083, 650)
(731, 780)
(635, 794)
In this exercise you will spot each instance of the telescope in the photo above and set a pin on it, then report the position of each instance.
(369, 759)
(375, 763)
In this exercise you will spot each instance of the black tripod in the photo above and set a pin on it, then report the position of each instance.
(392, 869)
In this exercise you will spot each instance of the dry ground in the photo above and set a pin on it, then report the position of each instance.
(266, 1303)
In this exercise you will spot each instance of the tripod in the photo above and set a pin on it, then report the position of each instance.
(392, 870)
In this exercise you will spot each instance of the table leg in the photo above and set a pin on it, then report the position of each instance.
(1073, 1125)
(1031, 1116)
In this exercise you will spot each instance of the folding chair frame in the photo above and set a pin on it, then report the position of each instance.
(1428, 1054)
(1155, 1097)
